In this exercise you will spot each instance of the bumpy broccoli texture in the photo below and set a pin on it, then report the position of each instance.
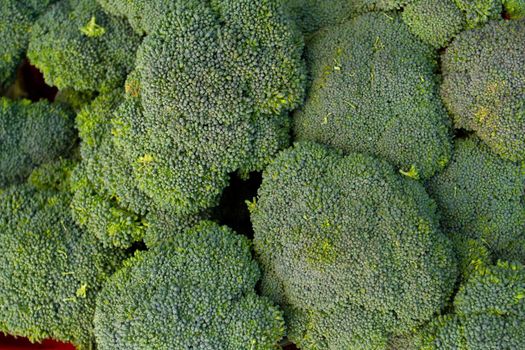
(481, 196)
(483, 85)
(435, 22)
(349, 247)
(514, 9)
(194, 291)
(50, 270)
(77, 45)
(31, 134)
(374, 91)
(489, 313)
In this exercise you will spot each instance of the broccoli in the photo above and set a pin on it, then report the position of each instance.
(489, 313)
(483, 85)
(435, 22)
(374, 90)
(31, 134)
(214, 91)
(481, 196)
(478, 12)
(349, 247)
(156, 302)
(514, 9)
(76, 45)
(50, 270)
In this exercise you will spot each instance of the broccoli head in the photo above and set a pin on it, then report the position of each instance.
(478, 12)
(156, 302)
(350, 247)
(214, 91)
(374, 91)
(481, 196)
(31, 134)
(50, 270)
(435, 22)
(489, 313)
(77, 45)
(514, 9)
(483, 85)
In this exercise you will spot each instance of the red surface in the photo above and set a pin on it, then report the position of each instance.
(11, 343)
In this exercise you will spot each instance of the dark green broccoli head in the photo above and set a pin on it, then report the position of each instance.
(31, 134)
(50, 270)
(374, 91)
(214, 91)
(435, 22)
(351, 244)
(514, 9)
(76, 45)
(483, 85)
(481, 196)
(489, 313)
(156, 302)
(16, 19)
(478, 12)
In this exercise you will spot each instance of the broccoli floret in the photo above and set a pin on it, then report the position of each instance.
(156, 302)
(514, 9)
(351, 247)
(54, 176)
(76, 45)
(75, 99)
(435, 22)
(374, 90)
(50, 270)
(483, 85)
(478, 12)
(489, 313)
(31, 134)
(481, 196)
(215, 90)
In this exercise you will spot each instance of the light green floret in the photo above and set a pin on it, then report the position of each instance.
(492, 104)
(157, 302)
(435, 22)
(50, 270)
(479, 12)
(31, 134)
(76, 45)
(481, 196)
(489, 313)
(374, 90)
(515, 9)
(349, 247)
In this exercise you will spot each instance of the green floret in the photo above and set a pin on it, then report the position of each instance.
(374, 90)
(483, 85)
(76, 45)
(481, 196)
(31, 134)
(350, 247)
(435, 22)
(53, 176)
(489, 313)
(478, 12)
(50, 270)
(157, 302)
(15, 24)
(215, 90)
(514, 9)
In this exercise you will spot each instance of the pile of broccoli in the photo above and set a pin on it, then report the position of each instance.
(376, 149)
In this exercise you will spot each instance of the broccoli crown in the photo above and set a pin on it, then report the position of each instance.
(481, 196)
(15, 24)
(374, 91)
(76, 45)
(514, 9)
(350, 243)
(31, 134)
(478, 12)
(156, 302)
(489, 313)
(50, 270)
(213, 92)
(435, 22)
(484, 85)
